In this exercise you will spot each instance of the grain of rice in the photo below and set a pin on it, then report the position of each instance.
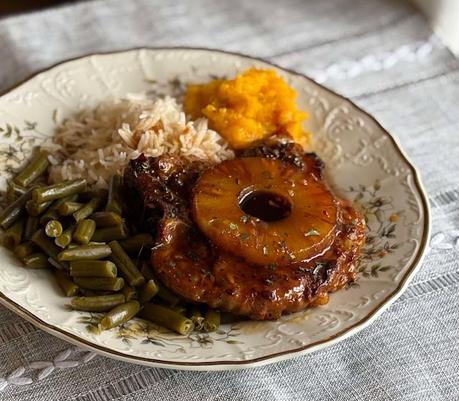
(98, 143)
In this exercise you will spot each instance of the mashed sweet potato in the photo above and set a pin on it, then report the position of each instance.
(251, 107)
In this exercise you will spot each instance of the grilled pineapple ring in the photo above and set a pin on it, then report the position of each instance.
(265, 211)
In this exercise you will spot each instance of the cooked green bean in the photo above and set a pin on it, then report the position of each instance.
(211, 320)
(14, 191)
(89, 208)
(168, 296)
(56, 264)
(69, 207)
(10, 196)
(13, 236)
(57, 191)
(68, 287)
(179, 309)
(84, 231)
(31, 226)
(47, 246)
(48, 216)
(168, 318)
(87, 195)
(53, 228)
(147, 291)
(108, 234)
(65, 238)
(91, 293)
(98, 303)
(129, 292)
(35, 168)
(119, 314)
(52, 212)
(125, 265)
(14, 211)
(58, 202)
(36, 261)
(25, 249)
(137, 242)
(115, 188)
(107, 219)
(85, 252)
(35, 209)
(92, 268)
(100, 283)
(196, 317)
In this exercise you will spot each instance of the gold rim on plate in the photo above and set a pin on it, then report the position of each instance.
(278, 356)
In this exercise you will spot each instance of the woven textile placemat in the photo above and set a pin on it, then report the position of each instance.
(381, 54)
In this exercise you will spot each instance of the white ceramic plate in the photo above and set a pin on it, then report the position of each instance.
(363, 163)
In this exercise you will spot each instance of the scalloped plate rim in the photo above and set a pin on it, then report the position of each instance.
(271, 358)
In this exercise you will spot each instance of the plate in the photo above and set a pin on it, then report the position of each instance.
(363, 163)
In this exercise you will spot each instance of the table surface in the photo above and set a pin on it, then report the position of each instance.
(380, 53)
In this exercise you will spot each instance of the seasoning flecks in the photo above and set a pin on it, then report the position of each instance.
(245, 219)
(244, 236)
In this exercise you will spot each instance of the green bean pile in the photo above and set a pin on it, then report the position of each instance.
(81, 236)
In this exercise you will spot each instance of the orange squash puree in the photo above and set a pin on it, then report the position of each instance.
(251, 107)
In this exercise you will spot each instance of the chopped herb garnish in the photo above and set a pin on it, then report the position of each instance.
(233, 226)
(298, 162)
(266, 174)
(245, 218)
(244, 236)
(206, 273)
(282, 244)
(312, 232)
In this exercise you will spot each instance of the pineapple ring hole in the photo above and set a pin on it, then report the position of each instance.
(265, 205)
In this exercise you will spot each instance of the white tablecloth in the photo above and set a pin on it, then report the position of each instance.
(381, 54)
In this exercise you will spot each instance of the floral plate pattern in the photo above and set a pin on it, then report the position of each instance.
(363, 164)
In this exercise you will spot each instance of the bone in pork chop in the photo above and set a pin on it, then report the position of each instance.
(259, 235)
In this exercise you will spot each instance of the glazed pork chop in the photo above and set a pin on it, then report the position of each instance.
(259, 235)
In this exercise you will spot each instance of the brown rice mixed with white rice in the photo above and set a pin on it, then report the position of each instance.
(100, 142)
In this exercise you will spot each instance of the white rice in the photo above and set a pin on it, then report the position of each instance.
(99, 143)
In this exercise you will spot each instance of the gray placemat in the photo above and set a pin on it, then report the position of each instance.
(381, 54)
